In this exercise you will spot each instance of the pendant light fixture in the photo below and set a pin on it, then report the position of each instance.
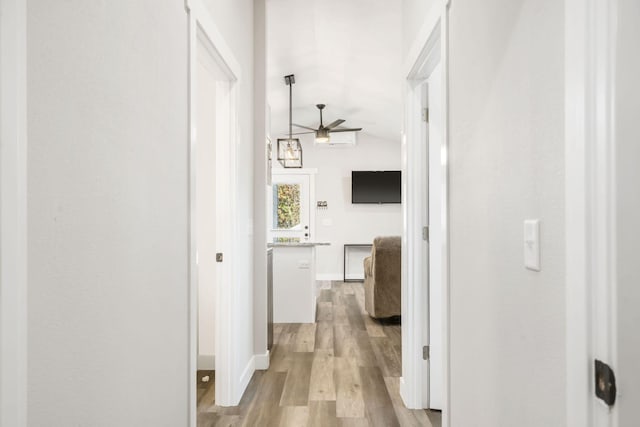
(289, 149)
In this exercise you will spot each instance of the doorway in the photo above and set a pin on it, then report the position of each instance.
(434, 241)
(213, 225)
(426, 268)
(210, 117)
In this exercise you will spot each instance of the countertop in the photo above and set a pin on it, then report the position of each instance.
(296, 244)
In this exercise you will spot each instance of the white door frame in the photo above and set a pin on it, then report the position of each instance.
(590, 217)
(436, 248)
(430, 49)
(13, 213)
(228, 387)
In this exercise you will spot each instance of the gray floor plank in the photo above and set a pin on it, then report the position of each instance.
(296, 387)
(342, 371)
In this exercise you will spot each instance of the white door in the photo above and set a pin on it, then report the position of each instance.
(603, 212)
(205, 224)
(435, 213)
(628, 152)
(213, 225)
(625, 298)
(290, 213)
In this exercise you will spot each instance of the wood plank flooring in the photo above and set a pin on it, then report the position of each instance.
(341, 371)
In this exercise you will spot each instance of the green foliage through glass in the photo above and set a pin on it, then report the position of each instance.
(288, 211)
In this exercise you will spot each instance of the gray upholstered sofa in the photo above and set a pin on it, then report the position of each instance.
(382, 278)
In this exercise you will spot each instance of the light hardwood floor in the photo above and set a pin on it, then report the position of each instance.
(342, 370)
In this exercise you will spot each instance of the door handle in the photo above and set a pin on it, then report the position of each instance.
(219, 257)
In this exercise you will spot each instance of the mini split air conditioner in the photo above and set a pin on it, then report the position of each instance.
(339, 139)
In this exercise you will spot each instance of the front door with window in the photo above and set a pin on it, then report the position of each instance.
(289, 216)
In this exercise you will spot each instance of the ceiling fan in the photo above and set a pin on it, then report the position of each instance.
(322, 133)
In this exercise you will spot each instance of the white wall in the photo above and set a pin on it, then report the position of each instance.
(413, 15)
(260, 179)
(506, 165)
(107, 213)
(351, 223)
(627, 105)
(108, 209)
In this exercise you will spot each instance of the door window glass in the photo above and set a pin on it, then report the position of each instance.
(286, 206)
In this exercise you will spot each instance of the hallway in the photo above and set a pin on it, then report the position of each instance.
(341, 371)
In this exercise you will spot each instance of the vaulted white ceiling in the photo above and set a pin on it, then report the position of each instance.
(344, 53)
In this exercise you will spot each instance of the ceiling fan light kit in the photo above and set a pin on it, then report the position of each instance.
(322, 136)
(290, 149)
(339, 140)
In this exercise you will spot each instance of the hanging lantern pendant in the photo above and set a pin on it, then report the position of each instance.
(290, 149)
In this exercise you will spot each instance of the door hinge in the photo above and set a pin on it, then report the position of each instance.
(425, 233)
(425, 115)
(425, 352)
(219, 257)
(605, 383)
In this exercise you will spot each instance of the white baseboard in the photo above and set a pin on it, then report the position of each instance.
(407, 397)
(257, 361)
(206, 362)
(262, 361)
(403, 392)
(245, 378)
(329, 276)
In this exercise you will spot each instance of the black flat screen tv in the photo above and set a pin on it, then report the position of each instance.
(376, 187)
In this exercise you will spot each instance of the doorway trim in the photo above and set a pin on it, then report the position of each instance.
(228, 385)
(430, 49)
(13, 213)
(590, 208)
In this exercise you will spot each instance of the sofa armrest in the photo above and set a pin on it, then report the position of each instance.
(368, 267)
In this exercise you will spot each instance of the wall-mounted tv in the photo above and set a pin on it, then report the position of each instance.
(376, 187)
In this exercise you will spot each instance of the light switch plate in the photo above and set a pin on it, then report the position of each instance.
(532, 244)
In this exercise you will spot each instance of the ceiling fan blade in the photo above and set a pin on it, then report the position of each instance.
(345, 130)
(304, 127)
(302, 133)
(334, 124)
